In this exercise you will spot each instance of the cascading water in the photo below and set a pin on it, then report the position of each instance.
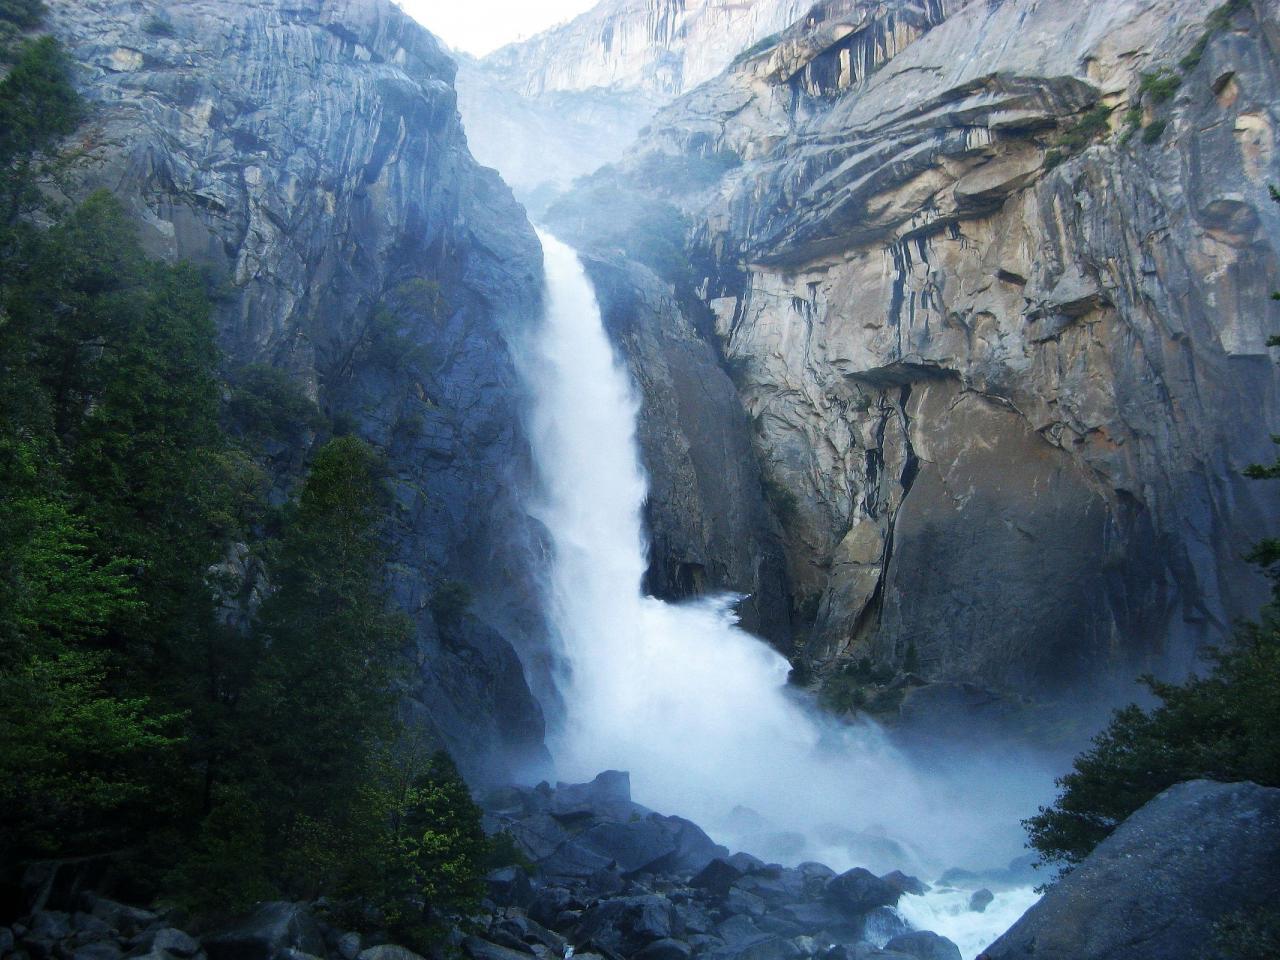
(696, 709)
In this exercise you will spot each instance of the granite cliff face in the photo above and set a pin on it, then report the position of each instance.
(997, 308)
(559, 105)
(309, 154)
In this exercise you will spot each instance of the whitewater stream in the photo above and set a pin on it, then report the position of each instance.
(694, 707)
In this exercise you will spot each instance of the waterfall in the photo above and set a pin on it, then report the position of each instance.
(694, 707)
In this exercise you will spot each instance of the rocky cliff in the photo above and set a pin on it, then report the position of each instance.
(659, 47)
(571, 99)
(992, 279)
(309, 155)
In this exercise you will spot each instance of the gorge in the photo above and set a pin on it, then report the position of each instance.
(807, 419)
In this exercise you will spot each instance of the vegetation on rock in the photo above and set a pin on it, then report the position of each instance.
(237, 760)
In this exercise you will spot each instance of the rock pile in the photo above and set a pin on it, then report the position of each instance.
(611, 879)
(605, 879)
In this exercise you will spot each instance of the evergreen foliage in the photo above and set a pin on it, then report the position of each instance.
(240, 762)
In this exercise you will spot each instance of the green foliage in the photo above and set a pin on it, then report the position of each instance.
(322, 696)
(268, 404)
(16, 17)
(38, 106)
(242, 763)
(1092, 123)
(860, 685)
(430, 853)
(1154, 130)
(77, 764)
(449, 603)
(1160, 85)
(1217, 22)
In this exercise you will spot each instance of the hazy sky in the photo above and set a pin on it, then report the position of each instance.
(479, 26)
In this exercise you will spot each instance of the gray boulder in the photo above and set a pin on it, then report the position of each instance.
(859, 891)
(1153, 890)
(478, 949)
(269, 930)
(388, 951)
(172, 941)
(980, 900)
(664, 949)
(103, 950)
(924, 946)
(608, 787)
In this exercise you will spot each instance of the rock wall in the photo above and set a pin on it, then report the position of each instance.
(660, 47)
(998, 312)
(708, 524)
(309, 155)
(570, 100)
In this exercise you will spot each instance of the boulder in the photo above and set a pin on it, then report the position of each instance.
(860, 891)
(478, 949)
(904, 883)
(269, 930)
(128, 920)
(103, 950)
(50, 925)
(609, 787)
(923, 945)
(664, 949)
(172, 941)
(348, 945)
(980, 900)
(509, 887)
(1196, 854)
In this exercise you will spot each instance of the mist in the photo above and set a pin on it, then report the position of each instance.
(696, 709)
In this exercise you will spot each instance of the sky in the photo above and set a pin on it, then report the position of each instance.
(481, 26)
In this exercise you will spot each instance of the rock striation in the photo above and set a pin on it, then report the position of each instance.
(310, 157)
(993, 281)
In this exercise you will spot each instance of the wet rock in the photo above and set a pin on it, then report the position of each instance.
(171, 940)
(905, 884)
(664, 949)
(1149, 891)
(269, 929)
(980, 900)
(597, 797)
(510, 886)
(348, 946)
(478, 949)
(923, 945)
(859, 891)
(103, 950)
(50, 925)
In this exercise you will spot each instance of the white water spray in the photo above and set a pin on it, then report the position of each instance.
(695, 708)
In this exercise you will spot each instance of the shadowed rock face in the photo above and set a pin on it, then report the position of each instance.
(309, 154)
(1198, 853)
(1004, 363)
(708, 524)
